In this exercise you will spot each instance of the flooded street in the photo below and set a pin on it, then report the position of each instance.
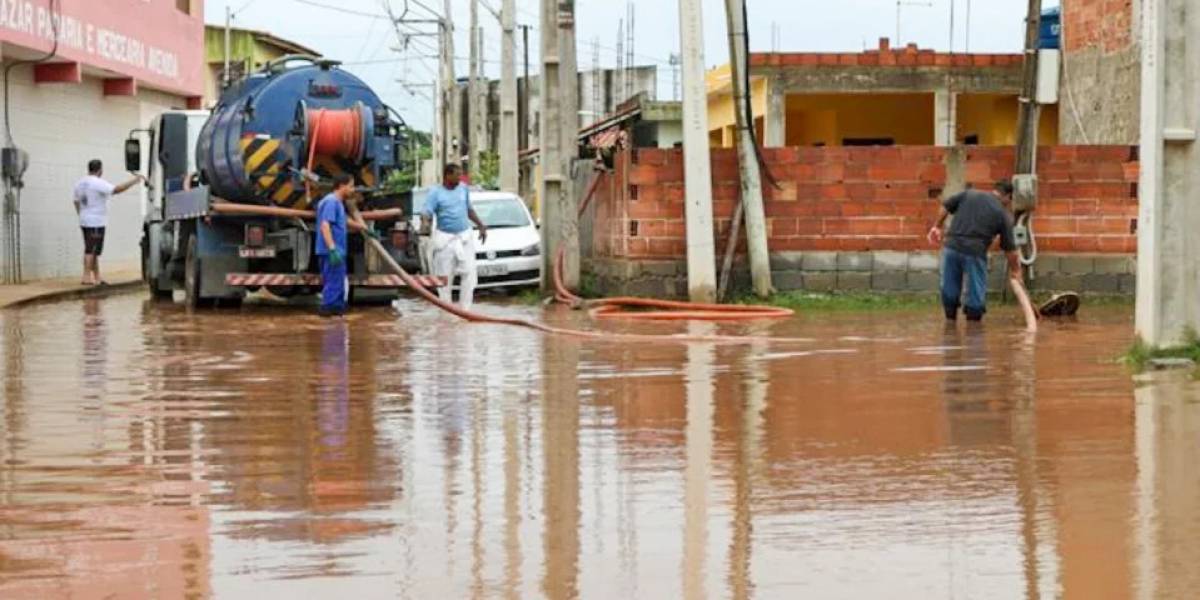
(146, 452)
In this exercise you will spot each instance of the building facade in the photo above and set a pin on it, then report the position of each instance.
(886, 96)
(249, 50)
(117, 64)
(1101, 77)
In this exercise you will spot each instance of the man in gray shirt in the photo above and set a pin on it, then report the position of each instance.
(979, 218)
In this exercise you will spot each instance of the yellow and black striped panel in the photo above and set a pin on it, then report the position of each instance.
(259, 155)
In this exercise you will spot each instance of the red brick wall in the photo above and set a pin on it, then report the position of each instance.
(866, 199)
(884, 56)
(1106, 24)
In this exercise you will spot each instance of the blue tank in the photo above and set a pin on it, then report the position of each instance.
(1050, 34)
(255, 147)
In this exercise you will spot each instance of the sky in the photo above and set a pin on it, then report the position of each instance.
(355, 32)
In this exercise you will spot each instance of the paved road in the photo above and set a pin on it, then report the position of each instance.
(150, 452)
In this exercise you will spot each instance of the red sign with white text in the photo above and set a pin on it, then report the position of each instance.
(152, 41)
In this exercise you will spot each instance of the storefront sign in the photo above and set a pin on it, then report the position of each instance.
(150, 40)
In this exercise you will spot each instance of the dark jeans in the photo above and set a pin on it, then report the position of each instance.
(956, 267)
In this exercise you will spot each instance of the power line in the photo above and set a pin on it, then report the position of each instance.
(348, 11)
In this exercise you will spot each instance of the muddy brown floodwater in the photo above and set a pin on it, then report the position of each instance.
(146, 452)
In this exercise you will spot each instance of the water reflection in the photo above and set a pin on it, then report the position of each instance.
(149, 452)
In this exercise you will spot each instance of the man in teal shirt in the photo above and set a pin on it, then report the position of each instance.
(453, 244)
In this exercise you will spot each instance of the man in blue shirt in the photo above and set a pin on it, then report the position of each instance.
(331, 246)
(453, 244)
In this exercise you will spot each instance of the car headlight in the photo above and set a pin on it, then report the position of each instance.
(534, 250)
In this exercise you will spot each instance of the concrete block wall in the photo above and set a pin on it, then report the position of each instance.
(1101, 77)
(850, 218)
(63, 126)
(877, 272)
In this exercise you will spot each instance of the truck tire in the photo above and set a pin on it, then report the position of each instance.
(156, 293)
(191, 275)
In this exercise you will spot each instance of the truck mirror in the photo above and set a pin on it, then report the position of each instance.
(133, 155)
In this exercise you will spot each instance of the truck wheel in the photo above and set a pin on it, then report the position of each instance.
(191, 275)
(156, 293)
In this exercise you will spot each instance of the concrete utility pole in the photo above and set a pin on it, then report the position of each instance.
(701, 251)
(525, 102)
(1027, 121)
(1168, 274)
(509, 160)
(446, 92)
(752, 196)
(569, 130)
(228, 24)
(552, 190)
(474, 132)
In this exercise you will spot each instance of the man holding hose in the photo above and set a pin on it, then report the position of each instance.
(452, 239)
(979, 218)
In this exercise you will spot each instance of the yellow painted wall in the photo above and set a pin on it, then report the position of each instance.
(830, 118)
(993, 118)
(721, 119)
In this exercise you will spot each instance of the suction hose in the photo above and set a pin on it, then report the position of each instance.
(660, 310)
(472, 317)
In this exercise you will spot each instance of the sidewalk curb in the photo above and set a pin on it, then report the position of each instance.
(75, 294)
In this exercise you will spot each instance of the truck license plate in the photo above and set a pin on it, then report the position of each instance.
(493, 270)
(245, 252)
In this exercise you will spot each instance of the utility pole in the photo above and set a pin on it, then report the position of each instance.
(701, 251)
(551, 192)
(747, 149)
(569, 130)
(447, 93)
(1027, 121)
(1168, 248)
(526, 101)
(474, 139)
(509, 159)
(228, 24)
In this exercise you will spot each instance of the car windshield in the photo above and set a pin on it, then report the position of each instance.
(502, 214)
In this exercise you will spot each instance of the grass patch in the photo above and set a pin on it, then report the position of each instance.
(1140, 355)
(529, 297)
(848, 302)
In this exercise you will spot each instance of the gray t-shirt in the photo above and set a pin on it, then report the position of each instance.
(978, 219)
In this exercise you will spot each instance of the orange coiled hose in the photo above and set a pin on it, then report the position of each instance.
(336, 133)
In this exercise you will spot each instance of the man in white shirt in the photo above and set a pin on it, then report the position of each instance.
(92, 194)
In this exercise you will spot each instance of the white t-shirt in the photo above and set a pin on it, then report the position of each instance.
(93, 195)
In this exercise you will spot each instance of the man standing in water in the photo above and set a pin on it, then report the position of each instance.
(979, 218)
(331, 246)
(92, 194)
(452, 241)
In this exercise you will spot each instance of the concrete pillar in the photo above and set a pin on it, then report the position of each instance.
(776, 134)
(701, 247)
(945, 118)
(1168, 304)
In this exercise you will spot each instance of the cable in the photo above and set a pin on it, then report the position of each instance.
(54, 24)
(1026, 220)
(340, 9)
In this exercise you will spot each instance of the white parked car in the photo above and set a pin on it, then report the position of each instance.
(512, 257)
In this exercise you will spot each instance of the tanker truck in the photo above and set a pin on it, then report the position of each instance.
(228, 207)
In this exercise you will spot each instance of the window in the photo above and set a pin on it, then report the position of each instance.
(184, 6)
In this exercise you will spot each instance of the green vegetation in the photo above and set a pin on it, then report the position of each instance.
(529, 297)
(487, 175)
(804, 301)
(1140, 355)
(404, 179)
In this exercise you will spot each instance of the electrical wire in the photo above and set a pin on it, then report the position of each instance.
(54, 24)
(12, 208)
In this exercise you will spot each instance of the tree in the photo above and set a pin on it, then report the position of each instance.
(404, 178)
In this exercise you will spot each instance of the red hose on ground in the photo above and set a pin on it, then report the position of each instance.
(661, 310)
(471, 317)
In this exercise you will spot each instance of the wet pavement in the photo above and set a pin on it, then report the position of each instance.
(146, 452)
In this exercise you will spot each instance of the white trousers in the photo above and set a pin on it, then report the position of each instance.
(454, 254)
